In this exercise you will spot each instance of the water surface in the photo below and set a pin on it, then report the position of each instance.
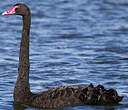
(73, 42)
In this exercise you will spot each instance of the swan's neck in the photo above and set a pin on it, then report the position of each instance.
(22, 87)
(23, 70)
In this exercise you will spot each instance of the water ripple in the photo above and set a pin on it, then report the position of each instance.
(73, 42)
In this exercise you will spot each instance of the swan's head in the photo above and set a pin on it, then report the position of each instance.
(18, 9)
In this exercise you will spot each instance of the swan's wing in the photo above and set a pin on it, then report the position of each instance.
(74, 96)
(58, 97)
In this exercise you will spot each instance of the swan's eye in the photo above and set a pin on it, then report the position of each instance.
(16, 9)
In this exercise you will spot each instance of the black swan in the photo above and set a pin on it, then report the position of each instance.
(55, 97)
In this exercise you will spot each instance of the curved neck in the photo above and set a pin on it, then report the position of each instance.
(22, 87)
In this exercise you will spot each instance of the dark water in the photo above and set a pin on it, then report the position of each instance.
(73, 42)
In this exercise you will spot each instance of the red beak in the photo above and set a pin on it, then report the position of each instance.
(11, 11)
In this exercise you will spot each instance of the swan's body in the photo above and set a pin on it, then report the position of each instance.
(56, 97)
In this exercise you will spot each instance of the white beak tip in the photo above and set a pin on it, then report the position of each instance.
(4, 13)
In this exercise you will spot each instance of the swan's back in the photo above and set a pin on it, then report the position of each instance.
(58, 97)
(74, 96)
